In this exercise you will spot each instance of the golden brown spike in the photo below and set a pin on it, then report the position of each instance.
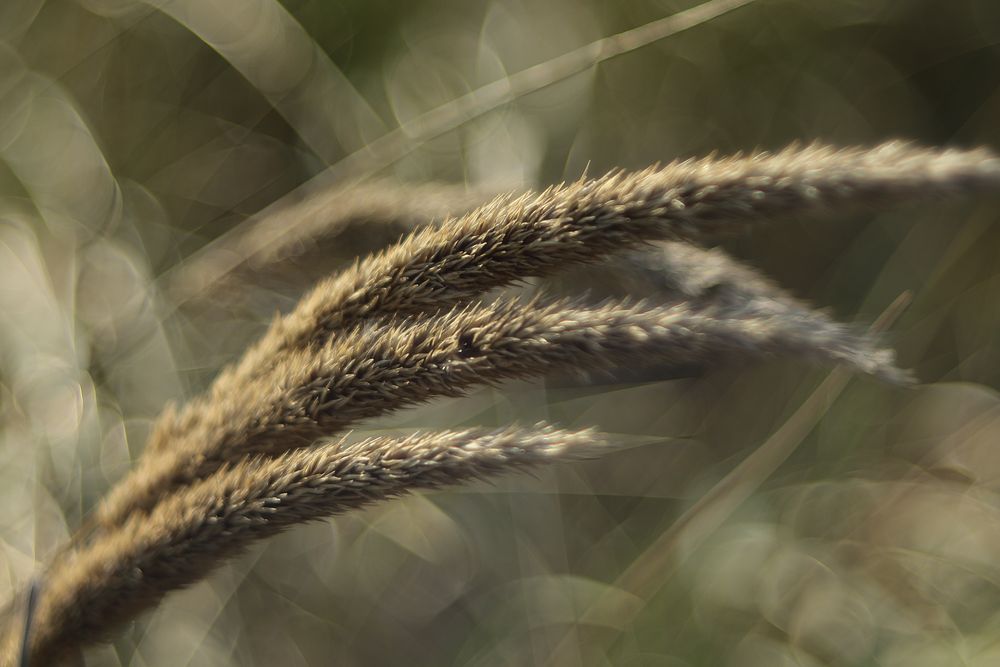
(189, 533)
(379, 368)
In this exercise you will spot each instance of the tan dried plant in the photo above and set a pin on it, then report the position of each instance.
(419, 320)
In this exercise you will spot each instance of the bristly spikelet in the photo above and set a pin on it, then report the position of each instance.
(189, 533)
(384, 366)
(510, 239)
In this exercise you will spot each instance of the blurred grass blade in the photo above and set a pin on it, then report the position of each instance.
(265, 44)
(397, 143)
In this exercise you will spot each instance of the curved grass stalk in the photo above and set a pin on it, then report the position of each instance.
(189, 533)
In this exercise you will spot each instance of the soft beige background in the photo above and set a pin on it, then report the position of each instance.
(133, 133)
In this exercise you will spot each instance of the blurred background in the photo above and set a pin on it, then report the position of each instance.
(140, 142)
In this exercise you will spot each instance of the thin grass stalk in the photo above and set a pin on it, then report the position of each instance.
(398, 143)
